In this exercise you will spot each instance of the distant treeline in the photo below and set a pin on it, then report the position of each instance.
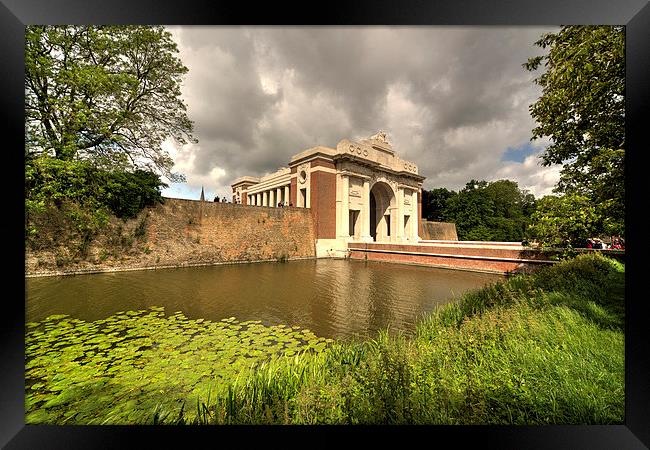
(482, 211)
(500, 211)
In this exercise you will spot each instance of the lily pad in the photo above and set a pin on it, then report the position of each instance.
(99, 368)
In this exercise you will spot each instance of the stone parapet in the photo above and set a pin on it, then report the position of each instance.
(429, 230)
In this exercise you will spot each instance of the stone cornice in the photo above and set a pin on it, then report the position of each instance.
(377, 167)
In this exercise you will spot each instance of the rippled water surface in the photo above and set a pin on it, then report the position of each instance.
(333, 298)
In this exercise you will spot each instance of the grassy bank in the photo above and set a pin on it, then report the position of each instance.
(534, 349)
(546, 348)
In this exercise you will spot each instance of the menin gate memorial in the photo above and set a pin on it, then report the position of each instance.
(357, 192)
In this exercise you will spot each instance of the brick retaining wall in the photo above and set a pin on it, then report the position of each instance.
(221, 232)
(190, 232)
(497, 257)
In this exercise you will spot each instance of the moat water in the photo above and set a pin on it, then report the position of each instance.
(333, 298)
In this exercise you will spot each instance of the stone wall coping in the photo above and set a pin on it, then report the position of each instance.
(472, 244)
(447, 255)
(312, 153)
(245, 179)
(277, 181)
(451, 244)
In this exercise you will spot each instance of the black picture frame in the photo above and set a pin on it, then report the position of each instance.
(634, 14)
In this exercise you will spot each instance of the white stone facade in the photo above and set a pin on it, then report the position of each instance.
(358, 192)
(269, 190)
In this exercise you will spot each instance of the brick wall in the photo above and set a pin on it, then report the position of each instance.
(323, 204)
(293, 188)
(192, 231)
(484, 257)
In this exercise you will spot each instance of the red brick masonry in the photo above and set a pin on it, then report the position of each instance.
(323, 200)
(498, 257)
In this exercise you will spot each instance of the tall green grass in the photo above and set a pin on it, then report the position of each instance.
(546, 348)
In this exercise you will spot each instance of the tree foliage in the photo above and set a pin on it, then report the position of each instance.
(108, 94)
(434, 203)
(582, 111)
(483, 211)
(563, 221)
(84, 194)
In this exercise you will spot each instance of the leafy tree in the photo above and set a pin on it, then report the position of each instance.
(434, 203)
(127, 193)
(582, 111)
(84, 195)
(494, 211)
(563, 221)
(109, 94)
(467, 210)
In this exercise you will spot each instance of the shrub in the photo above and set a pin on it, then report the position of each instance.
(84, 194)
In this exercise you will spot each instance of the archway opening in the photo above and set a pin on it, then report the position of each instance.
(382, 202)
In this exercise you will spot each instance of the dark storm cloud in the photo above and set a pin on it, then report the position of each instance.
(222, 89)
(452, 99)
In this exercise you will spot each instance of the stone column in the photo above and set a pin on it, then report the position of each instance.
(399, 231)
(278, 196)
(345, 207)
(272, 202)
(414, 216)
(364, 215)
(258, 201)
(394, 225)
(286, 195)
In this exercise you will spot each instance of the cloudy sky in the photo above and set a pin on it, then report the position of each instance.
(454, 100)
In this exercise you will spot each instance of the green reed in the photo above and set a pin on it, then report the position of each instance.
(546, 348)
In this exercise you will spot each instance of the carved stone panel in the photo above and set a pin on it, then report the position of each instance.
(410, 167)
(356, 188)
(358, 150)
(303, 173)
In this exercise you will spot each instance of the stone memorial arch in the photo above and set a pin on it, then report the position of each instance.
(360, 191)
(383, 208)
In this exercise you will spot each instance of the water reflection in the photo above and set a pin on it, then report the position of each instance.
(333, 298)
